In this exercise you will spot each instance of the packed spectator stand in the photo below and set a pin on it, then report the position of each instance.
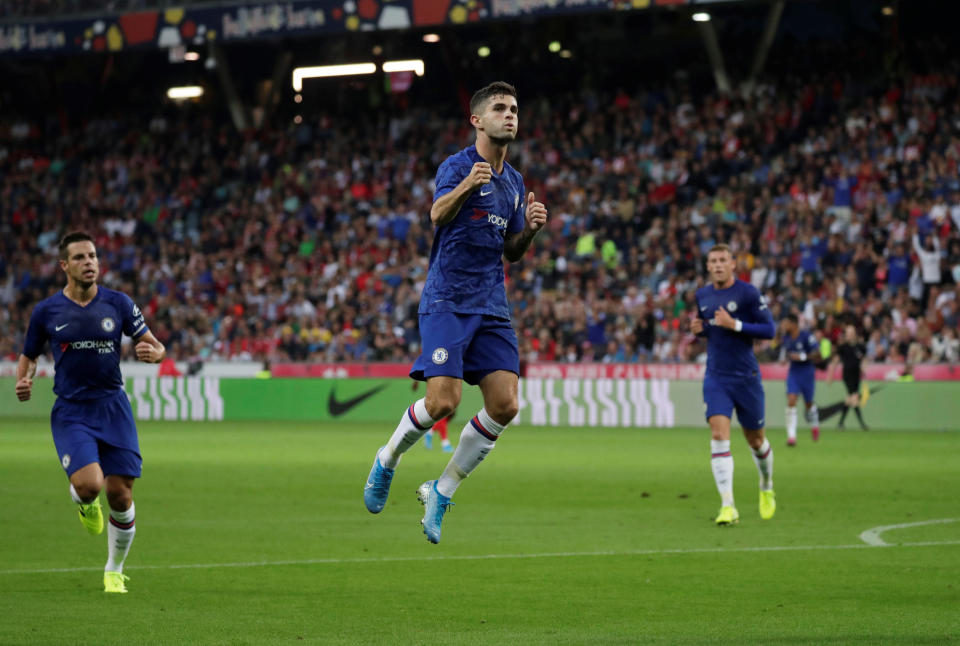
(840, 198)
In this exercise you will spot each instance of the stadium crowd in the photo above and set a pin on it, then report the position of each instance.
(841, 200)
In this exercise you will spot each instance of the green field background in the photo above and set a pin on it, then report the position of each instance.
(933, 406)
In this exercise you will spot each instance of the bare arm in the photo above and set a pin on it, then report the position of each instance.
(26, 369)
(446, 207)
(516, 244)
(149, 349)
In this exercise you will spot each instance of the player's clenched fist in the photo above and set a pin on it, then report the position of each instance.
(480, 174)
(536, 213)
(148, 353)
(23, 388)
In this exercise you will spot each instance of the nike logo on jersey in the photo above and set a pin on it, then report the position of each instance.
(482, 194)
(338, 408)
(60, 327)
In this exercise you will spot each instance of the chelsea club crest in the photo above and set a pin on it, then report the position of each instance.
(107, 324)
(732, 306)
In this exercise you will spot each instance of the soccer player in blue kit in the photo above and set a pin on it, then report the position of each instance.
(732, 313)
(92, 421)
(802, 349)
(481, 216)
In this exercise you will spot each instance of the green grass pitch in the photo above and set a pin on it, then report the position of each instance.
(256, 533)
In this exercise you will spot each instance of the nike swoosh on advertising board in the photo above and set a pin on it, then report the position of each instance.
(338, 408)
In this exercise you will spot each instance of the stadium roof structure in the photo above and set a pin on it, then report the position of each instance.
(269, 40)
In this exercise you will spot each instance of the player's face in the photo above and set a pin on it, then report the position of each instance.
(498, 118)
(82, 265)
(720, 265)
(787, 327)
(850, 333)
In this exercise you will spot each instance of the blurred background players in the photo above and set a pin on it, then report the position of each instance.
(851, 353)
(92, 422)
(732, 379)
(803, 351)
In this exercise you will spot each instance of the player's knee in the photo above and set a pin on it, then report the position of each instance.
(442, 406)
(119, 499)
(503, 412)
(88, 489)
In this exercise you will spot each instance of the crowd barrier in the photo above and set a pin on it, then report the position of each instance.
(569, 396)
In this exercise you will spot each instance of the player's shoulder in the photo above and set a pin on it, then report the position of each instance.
(108, 294)
(48, 303)
(463, 157)
(116, 298)
(748, 289)
(704, 291)
(512, 173)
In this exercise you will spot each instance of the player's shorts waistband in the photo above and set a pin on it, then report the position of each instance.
(113, 394)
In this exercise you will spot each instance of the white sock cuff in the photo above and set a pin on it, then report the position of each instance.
(764, 449)
(719, 447)
(486, 425)
(419, 415)
(75, 496)
(124, 516)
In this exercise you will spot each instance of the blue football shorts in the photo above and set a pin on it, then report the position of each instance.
(100, 430)
(466, 346)
(723, 395)
(801, 382)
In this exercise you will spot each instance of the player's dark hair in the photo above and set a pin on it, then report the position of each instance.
(721, 246)
(793, 318)
(75, 236)
(497, 87)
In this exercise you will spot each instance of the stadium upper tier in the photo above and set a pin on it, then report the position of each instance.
(311, 243)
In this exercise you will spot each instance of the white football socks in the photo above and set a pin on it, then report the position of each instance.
(763, 457)
(120, 532)
(721, 461)
(791, 422)
(814, 413)
(476, 440)
(414, 423)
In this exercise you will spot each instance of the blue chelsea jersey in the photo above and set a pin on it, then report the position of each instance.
(803, 342)
(730, 353)
(466, 261)
(85, 341)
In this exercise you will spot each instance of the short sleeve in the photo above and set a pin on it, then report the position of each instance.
(449, 175)
(812, 345)
(133, 322)
(518, 218)
(36, 339)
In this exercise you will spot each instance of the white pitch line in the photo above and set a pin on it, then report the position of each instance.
(486, 557)
(872, 535)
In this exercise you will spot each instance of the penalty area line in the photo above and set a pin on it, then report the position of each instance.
(489, 557)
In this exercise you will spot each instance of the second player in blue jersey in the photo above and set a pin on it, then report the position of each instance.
(481, 216)
(731, 314)
(801, 349)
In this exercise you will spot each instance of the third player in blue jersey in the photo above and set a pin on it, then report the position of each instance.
(482, 215)
(731, 314)
(802, 350)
